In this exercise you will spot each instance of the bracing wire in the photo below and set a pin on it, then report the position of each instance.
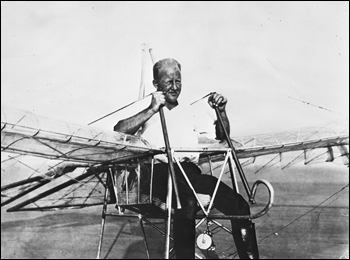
(319, 205)
(120, 109)
(308, 103)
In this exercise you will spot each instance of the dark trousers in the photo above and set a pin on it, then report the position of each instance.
(226, 201)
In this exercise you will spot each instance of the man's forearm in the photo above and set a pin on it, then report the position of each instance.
(132, 124)
(220, 134)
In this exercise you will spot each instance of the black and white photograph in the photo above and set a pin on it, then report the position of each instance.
(174, 130)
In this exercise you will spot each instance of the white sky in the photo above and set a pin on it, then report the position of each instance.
(77, 61)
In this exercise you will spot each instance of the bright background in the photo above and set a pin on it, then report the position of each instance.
(78, 61)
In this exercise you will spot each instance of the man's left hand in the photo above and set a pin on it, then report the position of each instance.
(217, 100)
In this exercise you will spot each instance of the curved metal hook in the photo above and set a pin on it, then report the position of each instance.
(271, 197)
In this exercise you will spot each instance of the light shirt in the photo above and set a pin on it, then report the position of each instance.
(184, 125)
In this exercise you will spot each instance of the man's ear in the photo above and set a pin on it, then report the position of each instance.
(155, 84)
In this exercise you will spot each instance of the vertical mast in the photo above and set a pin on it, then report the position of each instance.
(143, 68)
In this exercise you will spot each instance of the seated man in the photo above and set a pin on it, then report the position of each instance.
(167, 81)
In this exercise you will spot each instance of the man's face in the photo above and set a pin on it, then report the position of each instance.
(169, 82)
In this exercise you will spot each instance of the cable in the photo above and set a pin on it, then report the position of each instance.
(120, 109)
(315, 106)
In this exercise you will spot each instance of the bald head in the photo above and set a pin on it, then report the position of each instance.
(164, 64)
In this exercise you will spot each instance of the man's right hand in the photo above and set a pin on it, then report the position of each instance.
(158, 99)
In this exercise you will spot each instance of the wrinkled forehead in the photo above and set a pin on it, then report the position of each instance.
(169, 71)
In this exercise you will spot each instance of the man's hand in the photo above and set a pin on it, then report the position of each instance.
(158, 99)
(217, 100)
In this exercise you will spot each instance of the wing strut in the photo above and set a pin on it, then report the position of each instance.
(344, 154)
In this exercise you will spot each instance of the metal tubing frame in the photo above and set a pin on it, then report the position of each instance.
(234, 156)
(207, 216)
(168, 217)
(144, 236)
(216, 186)
(168, 152)
(228, 157)
(104, 211)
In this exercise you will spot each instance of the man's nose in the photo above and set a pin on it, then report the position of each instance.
(174, 85)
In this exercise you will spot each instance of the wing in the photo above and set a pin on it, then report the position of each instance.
(305, 140)
(73, 158)
(23, 132)
(62, 164)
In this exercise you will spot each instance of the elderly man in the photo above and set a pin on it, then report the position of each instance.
(167, 81)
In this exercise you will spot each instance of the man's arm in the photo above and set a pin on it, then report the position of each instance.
(220, 101)
(132, 124)
(220, 134)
